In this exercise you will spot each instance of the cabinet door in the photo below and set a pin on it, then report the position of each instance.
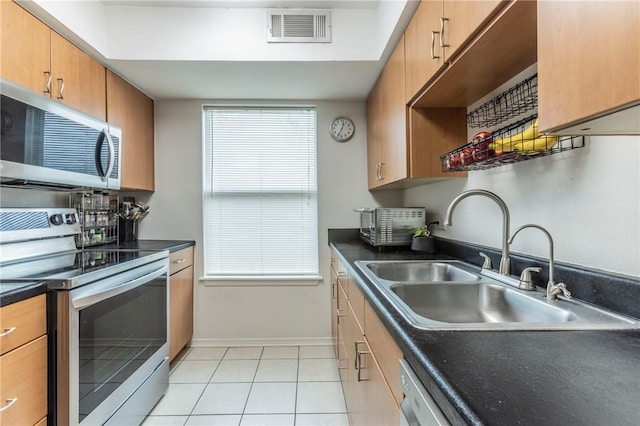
(463, 18)
(387, 352)
(374, 135)
(378, 405)
(334, 311)
(23, 373)
(423, 54)
(588, 60)
(434, 131)
(77, 80)
(25, 48)
(394, 118)
(181, 310)
(22, 321)
(132, 111)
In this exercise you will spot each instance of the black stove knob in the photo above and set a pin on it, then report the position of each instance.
(56, 219)
(71, 219)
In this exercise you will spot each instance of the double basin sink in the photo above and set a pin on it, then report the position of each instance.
(453, 295)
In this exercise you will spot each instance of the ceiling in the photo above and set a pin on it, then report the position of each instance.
(217, 49)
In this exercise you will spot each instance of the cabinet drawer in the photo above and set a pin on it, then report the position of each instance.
(180, 259)
(356, 299)
(385, 349)
(22, 322)
(23, 373)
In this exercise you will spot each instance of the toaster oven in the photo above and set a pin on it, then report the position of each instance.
(384, 226)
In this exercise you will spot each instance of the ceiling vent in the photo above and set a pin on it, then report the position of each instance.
(298, 26)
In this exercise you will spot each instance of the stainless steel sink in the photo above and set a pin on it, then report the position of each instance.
(476, 303)
(453, 295)
(419, 271)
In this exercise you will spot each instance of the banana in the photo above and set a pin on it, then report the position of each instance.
(539, 144)
(515, 142)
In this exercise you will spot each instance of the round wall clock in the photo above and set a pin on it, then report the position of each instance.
(342, 129)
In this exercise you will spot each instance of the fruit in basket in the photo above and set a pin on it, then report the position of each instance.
(539, 144)
(482, 136)
(466, 156)
(480, 144)
(453, 161)
(515, 142)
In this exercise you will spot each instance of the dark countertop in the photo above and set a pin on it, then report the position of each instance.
(514, 377)
(15, 291)
(171, 245)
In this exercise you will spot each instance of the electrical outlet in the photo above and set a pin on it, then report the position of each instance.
(439, 218)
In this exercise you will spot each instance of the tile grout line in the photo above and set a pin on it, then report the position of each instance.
(205, 387)
(251, 387)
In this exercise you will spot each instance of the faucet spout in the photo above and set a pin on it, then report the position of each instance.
(504, 261)
(553, 289)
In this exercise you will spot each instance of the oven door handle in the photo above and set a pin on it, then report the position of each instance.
(93, 298)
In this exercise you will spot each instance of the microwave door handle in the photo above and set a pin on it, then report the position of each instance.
(91, 299)
(98, 151)
(112, 155)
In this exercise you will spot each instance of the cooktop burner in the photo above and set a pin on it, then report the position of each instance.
(71, 269)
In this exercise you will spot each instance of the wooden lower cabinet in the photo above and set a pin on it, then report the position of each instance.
(368, 357)
(180, 300)
(23, 374)
(369, 400)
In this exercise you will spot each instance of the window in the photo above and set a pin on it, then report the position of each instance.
(260, 192)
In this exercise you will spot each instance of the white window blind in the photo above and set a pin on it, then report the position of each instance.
(260, 192)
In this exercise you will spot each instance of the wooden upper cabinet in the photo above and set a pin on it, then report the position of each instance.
(434, 131)
(423, 54)
(26, 48)
(437, 30)
(394, 115)
(588, 66)
(404, 145)
(132, 111)
(77, 79)
(40, 59)
(462, 19)
(374, 134)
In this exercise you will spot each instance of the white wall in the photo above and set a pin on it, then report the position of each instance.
(261, 313)
(132, 32)
(588, 199)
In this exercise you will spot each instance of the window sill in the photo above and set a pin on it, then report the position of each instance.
(238, 281)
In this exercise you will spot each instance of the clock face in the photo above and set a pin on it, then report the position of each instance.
(342, 129)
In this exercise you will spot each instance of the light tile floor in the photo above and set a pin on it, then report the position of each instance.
(253, 386)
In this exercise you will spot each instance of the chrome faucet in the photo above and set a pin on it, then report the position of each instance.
(553, 289)
(504, 261)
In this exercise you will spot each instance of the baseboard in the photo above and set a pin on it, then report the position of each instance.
(294, 341)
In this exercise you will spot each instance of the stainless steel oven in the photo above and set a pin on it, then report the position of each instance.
(109, 312)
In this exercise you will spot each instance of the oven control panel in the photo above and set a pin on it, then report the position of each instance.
(20, 224)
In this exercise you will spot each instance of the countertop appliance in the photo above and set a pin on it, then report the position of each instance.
(45, 143)
(109, 314)
(418, 407)
(384, 226)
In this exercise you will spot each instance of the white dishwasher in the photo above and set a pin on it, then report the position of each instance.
(418, 408)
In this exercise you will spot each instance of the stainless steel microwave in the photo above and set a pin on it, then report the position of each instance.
(45, 143)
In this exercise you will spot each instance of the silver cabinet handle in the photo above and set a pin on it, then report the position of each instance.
(378, 171)
(48, 84)
(381, 175)
(60, 93)
(358, 361)
(339, 362)
(433, 45)
(179, 261)
(342, 274)
(340, 314)
(7, 331)
(10, 402)
(442, 19)
(334, 290)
